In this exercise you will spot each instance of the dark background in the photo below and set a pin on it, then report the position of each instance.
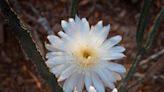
(18, 74)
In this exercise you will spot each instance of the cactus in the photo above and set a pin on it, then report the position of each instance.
(28, 45)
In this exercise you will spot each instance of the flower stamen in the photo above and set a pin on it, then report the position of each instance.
(86, 56)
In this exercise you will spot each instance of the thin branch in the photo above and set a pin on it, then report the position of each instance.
(154, 56)
(149, 74)
(42, 21)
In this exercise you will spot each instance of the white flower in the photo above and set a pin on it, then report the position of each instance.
(82, 56)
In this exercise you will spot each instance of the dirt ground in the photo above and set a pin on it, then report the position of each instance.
(18, 74)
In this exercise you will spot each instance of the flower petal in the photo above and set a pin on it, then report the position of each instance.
(58, 69)
(67, 72)
(92, 89)
(54, 39)
(53, 54)
(117, 76)
(114, 90)
(55, 61)
(112, 41)
(108, 81)
(64, 36)
(80, 84)
(77, 19)
(69, 27)
(70, 83)
(51, 47)
(113, 56)
(88, 81)
(99, 33)
(56, 42)
(86, 27)
(97, 83)
(71, 21)
(97, 28)
(116, 67)
(116, 49)
(104, 33)
(65, 26)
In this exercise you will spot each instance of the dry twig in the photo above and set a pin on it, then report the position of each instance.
(154, 56)
(148, 75)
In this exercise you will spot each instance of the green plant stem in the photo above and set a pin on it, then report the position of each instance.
(139, 38)
(28, 45)
(142, 22)
(74, 7)
(123, 84)
(153, 29)
(142, 50)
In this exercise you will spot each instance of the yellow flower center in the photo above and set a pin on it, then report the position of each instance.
(86, 56)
